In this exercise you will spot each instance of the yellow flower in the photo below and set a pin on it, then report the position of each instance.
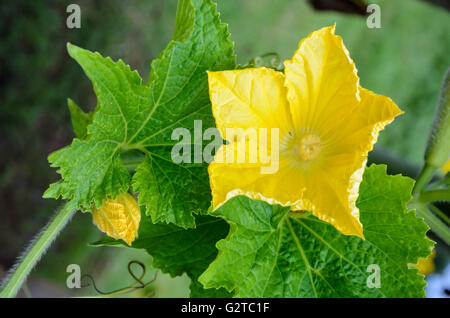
(426, 265)
(327, 125)
(119, 218)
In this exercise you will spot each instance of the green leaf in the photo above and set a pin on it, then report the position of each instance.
(132, 115)
(271, 252)
(177, 251)
(179, 186)
(80, 119)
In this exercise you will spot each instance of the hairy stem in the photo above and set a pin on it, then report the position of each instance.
(11, 285)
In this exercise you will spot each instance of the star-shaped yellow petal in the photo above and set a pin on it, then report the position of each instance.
(249, 98)
(119, 218)
(326, 124)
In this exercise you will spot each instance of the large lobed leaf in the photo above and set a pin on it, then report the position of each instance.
(133, 115)
(271, 252)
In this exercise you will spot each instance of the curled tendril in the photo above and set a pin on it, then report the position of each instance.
(138, 284)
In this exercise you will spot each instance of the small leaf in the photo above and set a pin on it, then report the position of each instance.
(119, 218)
(80, 119)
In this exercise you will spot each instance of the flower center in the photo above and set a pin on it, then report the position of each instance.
(309, 147)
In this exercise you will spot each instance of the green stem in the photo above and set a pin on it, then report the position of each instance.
(434, 195)
(439, 213)
(423, 179)
(445, 182)
(436, 225)
(131, 159)
(37, 248)
(131, 165)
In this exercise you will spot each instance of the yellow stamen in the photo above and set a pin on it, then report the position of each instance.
(310, 147)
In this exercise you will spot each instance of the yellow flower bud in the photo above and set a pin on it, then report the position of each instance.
(119, 218)
(426, 265)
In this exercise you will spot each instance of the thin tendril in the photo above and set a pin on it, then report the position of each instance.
(138, 281)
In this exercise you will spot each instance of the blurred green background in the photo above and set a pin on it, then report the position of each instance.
(405, 59)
